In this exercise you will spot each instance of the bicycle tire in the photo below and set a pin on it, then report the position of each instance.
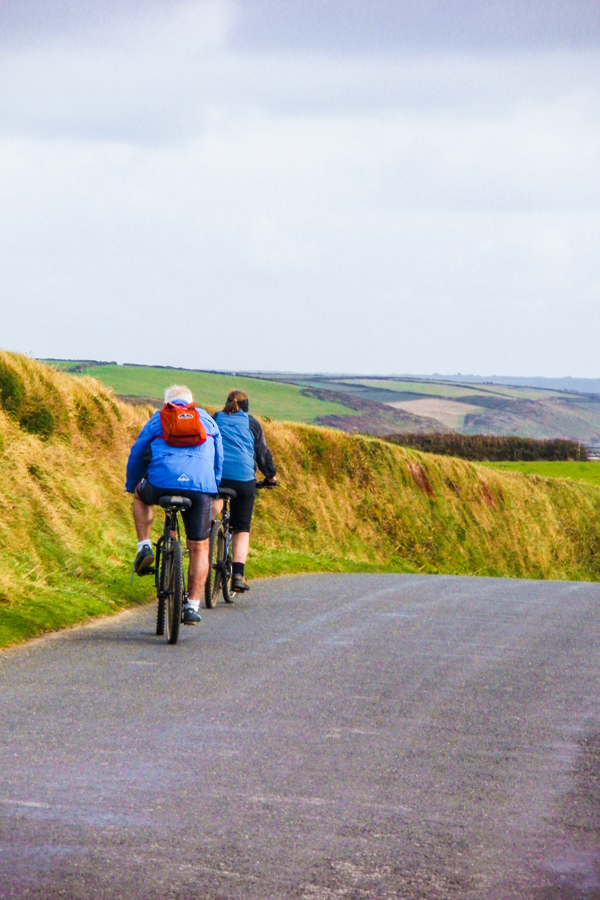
(226, 569)
(174, 600)
(159, 581)
(160, 616)
(212, 584)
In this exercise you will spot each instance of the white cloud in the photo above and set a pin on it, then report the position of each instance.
(421, 213)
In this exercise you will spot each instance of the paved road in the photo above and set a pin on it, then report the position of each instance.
(328, 737)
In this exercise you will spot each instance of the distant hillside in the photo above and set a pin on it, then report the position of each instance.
(476, 408)
(379, 406)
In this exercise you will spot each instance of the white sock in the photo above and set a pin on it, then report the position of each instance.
(195, 604)
(146, 543)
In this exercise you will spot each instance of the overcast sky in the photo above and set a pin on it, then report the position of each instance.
(378, 186)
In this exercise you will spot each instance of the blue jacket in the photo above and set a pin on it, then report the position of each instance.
(187, 468)
(244, 447)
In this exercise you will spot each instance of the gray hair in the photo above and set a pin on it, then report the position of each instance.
(178, 392)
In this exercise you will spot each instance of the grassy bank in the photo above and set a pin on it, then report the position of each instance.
(346, 503)
(358, 501)
(65, 521)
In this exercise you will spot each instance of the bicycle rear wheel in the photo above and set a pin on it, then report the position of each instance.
(175, 592)
(160, 580)
(226, 568)
(212, 585)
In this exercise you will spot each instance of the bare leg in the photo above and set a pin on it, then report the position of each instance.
(217, 506)
(198, 569)
(143, 516)
(240, 546)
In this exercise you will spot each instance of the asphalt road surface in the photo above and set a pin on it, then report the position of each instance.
(327, 737)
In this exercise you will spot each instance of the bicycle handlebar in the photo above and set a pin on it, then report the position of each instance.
(269, 485)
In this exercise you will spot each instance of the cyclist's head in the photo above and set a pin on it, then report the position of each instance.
(236, 401)
(178, 392)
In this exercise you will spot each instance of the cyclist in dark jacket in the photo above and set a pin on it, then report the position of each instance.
(244, 449)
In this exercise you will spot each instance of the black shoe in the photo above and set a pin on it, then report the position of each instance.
(190, 616)
(239, 584)
(143, 560)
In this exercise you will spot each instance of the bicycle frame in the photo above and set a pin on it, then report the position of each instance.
(225, 519)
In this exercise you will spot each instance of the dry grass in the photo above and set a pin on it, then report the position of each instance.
(65, 521)
(359, 500)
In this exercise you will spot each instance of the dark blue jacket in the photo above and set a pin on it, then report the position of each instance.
(244, 447)
(188, 468)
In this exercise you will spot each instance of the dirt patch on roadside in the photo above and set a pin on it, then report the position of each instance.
(421, 478)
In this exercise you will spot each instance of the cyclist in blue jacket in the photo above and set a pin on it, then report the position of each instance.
(155, 467)
(244, 448)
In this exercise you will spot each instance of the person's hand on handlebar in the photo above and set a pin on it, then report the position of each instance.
(267, 482)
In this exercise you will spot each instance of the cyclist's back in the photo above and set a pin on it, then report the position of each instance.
(243, 441)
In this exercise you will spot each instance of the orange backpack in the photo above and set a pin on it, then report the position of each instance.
(182, 426)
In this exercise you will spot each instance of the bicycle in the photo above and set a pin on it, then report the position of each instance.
(220, 570)
(168, 571)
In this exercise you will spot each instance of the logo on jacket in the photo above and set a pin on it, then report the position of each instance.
(185, 416)
(183, 477)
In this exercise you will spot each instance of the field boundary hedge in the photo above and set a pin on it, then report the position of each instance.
(493, 448)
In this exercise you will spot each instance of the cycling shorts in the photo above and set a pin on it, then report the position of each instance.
(196, 520)
(241, 507)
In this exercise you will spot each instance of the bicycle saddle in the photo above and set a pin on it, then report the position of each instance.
(227, 492)
(175, 501)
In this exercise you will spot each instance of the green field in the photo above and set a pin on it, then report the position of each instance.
(428, 388)
(277, 400)
(451, 390)
(588, 472)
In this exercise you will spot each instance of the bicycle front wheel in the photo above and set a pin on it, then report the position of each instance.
(212, 585)
(175, 592)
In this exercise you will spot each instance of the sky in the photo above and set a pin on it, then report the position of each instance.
(360, 186)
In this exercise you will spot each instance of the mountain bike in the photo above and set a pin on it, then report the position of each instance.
(169, 575)
(220, 570)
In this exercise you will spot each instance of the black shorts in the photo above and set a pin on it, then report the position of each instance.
(196, 520)
(242, 506)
